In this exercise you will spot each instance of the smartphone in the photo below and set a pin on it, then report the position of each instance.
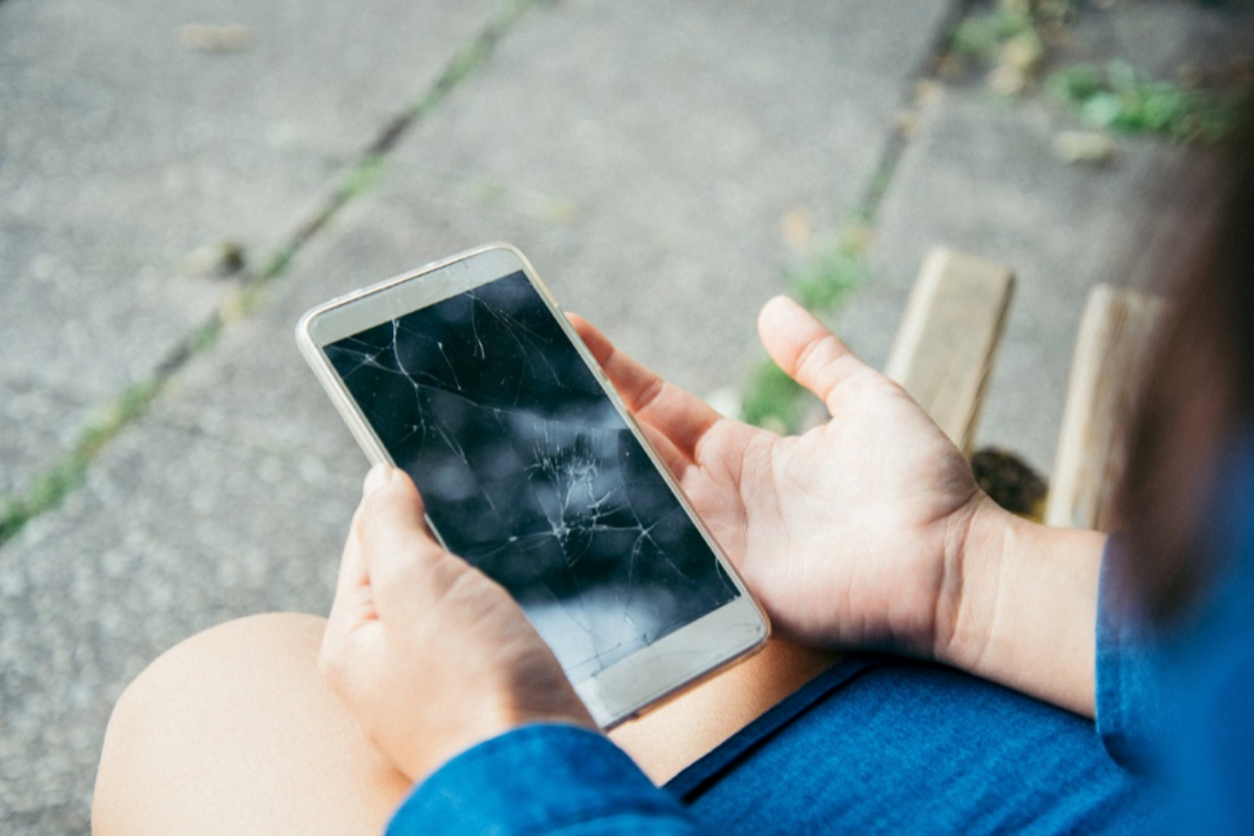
(466, 375)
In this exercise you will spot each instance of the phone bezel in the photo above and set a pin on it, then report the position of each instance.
(695, 651)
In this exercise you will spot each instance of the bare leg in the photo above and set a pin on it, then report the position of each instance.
(233, 731)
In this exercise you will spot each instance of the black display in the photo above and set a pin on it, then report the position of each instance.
(529, 472)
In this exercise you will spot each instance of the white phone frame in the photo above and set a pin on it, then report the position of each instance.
(659, 670)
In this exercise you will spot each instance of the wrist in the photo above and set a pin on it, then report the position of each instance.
(976, 548)
(1024, 606)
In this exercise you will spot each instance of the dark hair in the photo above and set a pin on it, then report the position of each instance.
(1199, 386)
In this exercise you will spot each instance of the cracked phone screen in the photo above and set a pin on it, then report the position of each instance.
(530, 473)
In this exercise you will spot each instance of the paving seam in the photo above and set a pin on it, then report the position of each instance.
(51, 488)
(899, 139)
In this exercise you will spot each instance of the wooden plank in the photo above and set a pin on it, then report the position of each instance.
(1105, 373)
(945, 347)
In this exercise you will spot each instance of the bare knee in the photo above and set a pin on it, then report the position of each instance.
(232, 730)
(213, 665)
(206, 663)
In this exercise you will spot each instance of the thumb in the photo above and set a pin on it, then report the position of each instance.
(399, 554)
(806, 349)
(353, 575)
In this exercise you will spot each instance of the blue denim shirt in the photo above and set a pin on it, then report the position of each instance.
(1207, 743)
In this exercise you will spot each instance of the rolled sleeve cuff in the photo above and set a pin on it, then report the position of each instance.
(541, 779)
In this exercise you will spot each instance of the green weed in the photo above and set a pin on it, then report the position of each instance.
(825, 282)
(1011, 41)
(773, 400)
(981, 37)
(1121, 98)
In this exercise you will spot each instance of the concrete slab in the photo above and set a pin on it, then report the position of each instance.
(123, 151)
(984, 179)
(322, 76)
(89, 307)
(677, 140)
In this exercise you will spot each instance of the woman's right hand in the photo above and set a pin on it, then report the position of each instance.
(851, 534)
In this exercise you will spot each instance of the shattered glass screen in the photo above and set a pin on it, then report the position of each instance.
(529, 472)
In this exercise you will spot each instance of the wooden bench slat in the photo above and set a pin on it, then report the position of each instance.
(945, 347)
(1105, 373)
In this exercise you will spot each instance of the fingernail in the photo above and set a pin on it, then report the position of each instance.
(376, 478)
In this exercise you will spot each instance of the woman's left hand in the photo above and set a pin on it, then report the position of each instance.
(429, 654)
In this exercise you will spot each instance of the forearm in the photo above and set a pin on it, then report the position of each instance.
(1027, 611)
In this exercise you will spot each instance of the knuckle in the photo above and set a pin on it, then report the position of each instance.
(816, 355)
(653, 388)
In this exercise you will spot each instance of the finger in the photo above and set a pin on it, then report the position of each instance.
(680, 416)
(806, 350)
(602, 349)
(353, 581)
(596, 342)
(354, 603)
(399, 552)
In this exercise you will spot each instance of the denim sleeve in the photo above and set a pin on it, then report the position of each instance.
(541, 779)
(1129, 687)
